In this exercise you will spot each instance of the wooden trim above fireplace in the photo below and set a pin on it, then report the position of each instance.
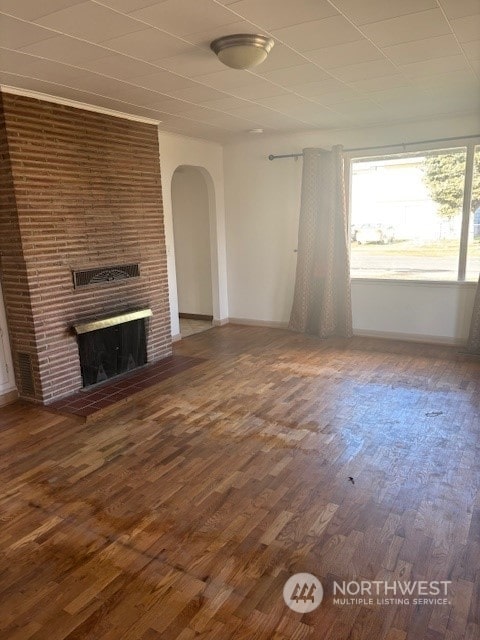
(94, 325)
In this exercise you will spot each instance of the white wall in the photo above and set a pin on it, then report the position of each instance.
(177, 150)
(7, 380)
(413, 310)
(191, 230)
(262, 205)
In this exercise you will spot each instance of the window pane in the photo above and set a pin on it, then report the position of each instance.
(406, 215)
(473, 255)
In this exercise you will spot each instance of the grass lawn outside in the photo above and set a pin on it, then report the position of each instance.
(437, 248)
(409, 260)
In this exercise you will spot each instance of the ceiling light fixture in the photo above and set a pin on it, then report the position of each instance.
(242, 50)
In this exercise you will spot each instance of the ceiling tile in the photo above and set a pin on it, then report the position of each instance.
(30, 10)
(343, 54)
(367, 119)
(149, 44)
(235, 123)
(403, 109)
(416, 26)
(251, 111)
(204, 38)
(16, 33)
(280, 57)
(182, 17)
(317, 34)
(472, 49)
(287, 102)
(162, 81)
(427, 105)
(438, 65)
(401, 94)
(120, 67)
(468, 28)
(323, 119)
(192, 62)
(419, 50)
(66, 49)
(357, 106)
(14, 62)
(170, 105)
(272, 14)
(126, 6)
(118, 104)
(120, 90)
(459, 8)
(382, 83)
(363, 70)
(476, 66)
(274, 119)
(334, 97)
(28, 65)
(470, 96)
(90, 21)
(196, 92)
(456, 79)
(231, 79)
(296, 75)
(256, 91)
(365, 11)
(102, 85)
(227, 103)
(49, 88)
(318, 88)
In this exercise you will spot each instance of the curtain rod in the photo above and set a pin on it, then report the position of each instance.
(383, 146)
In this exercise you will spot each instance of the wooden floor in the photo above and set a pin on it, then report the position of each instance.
(183, 517)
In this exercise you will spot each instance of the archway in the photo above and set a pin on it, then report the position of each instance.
(191, 213)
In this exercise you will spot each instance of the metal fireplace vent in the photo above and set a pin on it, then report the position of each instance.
(102, 275)
(26, 374)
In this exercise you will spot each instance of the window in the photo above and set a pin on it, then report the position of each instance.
(413, 218)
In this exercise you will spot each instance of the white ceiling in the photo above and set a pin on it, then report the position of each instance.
(335, 63)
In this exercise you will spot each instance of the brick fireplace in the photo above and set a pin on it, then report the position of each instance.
(81, 191)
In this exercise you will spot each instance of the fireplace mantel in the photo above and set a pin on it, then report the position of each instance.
(94, 325)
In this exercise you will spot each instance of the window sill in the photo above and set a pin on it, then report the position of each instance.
(422, 283)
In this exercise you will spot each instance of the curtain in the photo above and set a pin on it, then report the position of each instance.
(473, 345)
(322, 299)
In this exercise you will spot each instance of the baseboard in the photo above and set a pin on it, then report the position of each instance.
(386, 335)
(469, 356)
(195, 316)
(8, 397)
(219, 323)
(258, 323)
(411, 337)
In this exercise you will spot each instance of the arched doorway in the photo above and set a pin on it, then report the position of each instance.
(192, 242)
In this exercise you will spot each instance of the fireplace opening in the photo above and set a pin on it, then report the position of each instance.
(110, 351)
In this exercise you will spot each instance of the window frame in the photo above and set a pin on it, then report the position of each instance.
(469, 144)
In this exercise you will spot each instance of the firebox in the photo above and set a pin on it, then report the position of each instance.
(112, 346)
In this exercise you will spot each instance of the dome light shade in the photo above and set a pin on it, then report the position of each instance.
(242, 50)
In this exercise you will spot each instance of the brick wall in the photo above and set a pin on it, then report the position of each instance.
(79, 190)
